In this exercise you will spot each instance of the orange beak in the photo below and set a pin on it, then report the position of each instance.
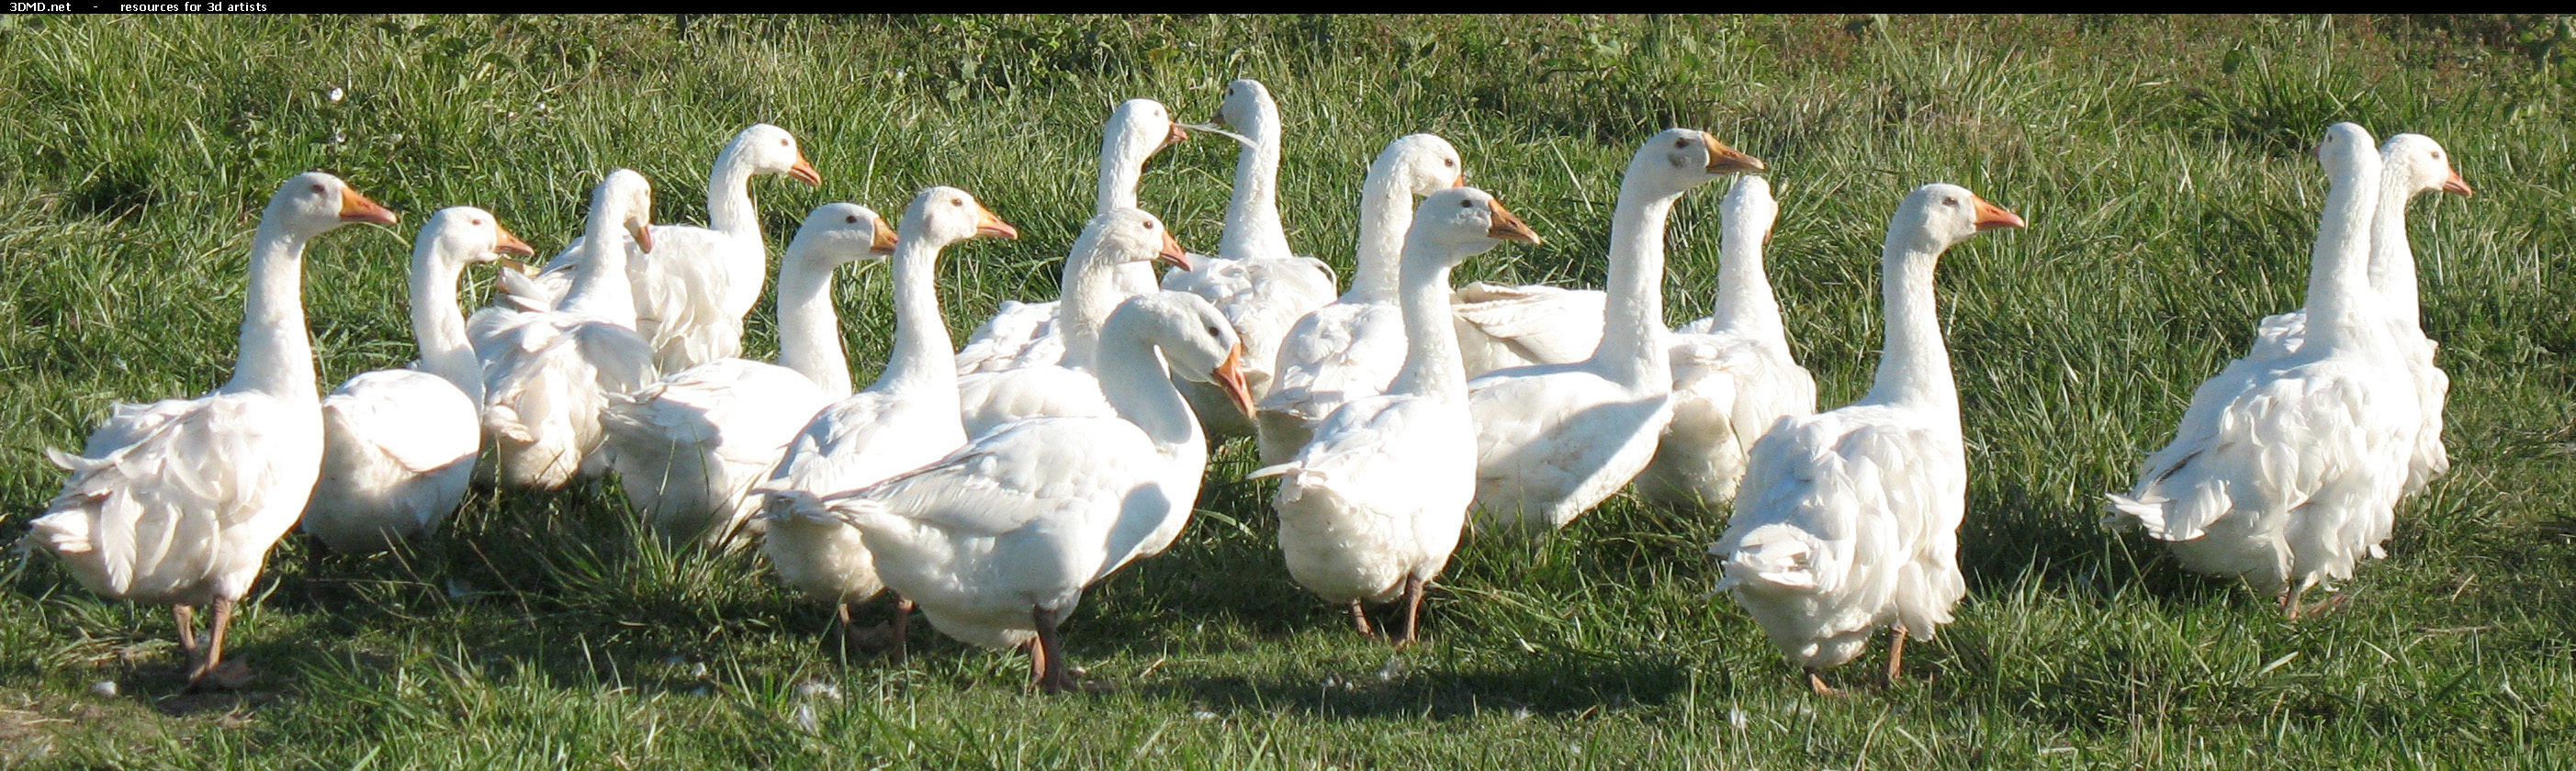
(1991, 217)
(1229, 378)
(643, 235)
(1177, 136)
(804, 172)
(356, 208)
(1510, 228)
(1461, 181)
(1172, 254)
(885, 240)
(2459, 186)
(988, 225)
(1727, 160)
(510, 244)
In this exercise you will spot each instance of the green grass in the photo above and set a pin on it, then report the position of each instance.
(2160, 162)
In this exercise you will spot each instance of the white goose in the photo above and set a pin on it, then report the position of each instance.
(1733, 373)
(1111, 242)
(1352, 348)
(1554, 440)
(1254, 279)
(1372, 507)
(2410, 165)
(1848, 520)
(548, 374)
(1027, 334)
(997, 542)
(689, 448)
(2287, 471)
(904, 421)
(696, 284)
(399, 444)
(177, 502)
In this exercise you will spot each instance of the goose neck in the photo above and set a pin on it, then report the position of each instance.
(1092, 290)
(1137, 385)
(729, 205)
(2392, 255)
(1745, 303)
(1632, 332)
(1432, 366)
(1914, 361)
(276, 354)
(2341, 305)
(437, 324)
(1121, 171)
(599, 283)
(1252, 226)
(809, 335)
(923, 360)
(1384, 216)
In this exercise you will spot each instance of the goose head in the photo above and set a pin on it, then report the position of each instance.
(1421, 164)
(836, 234)
(625, 199)
(771, 150)
(1750, 203)
(1125, 235)
(1468, 221)
(313, 202)
(1245, 101)
(1939, 215)
(940, 216)
(1139, 128)
(1679, 159)
(1197, 341)
(470, 236)
(2346, 149)
(2418, 165)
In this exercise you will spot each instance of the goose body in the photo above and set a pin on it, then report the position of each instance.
(1030, 334)
(906, 420)
(1352, 348)
(696, 284)
(2410, 165)
(178, 501)
(1373, 505)
(1501, 326)
(548, 374)
(399, 444)
(1552, 441)
(1254, 279)
(1112, 242)
(1847, 521)
(690, 446)
(1733, 373)
(996, 542)
(2286, 471)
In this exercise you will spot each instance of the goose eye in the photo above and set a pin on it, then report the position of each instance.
(782, 143)
(854, 219)
(1949, 202)
(1466, 204)
(476, 223)
(1149, 225)
(1681, 144)
(956, 202)
(1448, 163)
(318, 189)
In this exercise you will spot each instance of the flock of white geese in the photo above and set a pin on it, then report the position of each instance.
(988, 486)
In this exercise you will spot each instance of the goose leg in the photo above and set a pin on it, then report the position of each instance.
(1816, 682)
(1052, 674)
(1412, 612)
(203, 675)
(902, 622)
(841, 622)
(187, 618)
(1896, 655)
(1359, 620)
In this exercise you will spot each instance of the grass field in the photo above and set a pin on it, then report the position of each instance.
(2161, 163)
